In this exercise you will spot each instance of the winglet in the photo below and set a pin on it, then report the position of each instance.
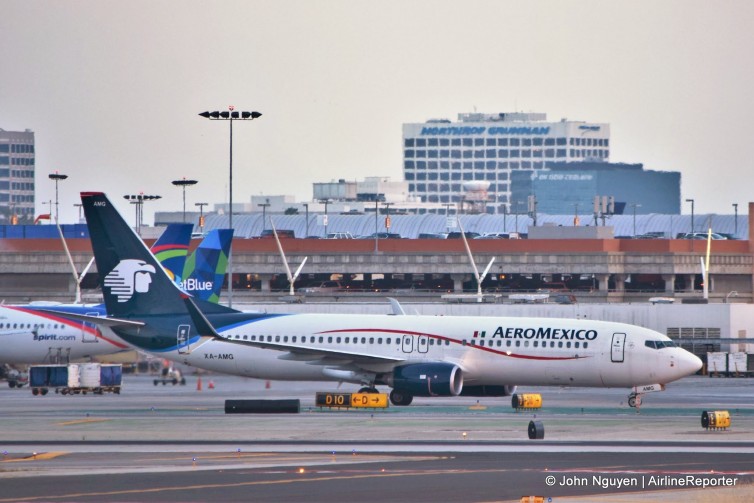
(396, 306)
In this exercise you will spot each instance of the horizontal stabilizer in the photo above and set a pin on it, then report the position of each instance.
(202, 324)
(94, 320)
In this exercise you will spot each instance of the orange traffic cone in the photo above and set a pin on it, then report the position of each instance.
(211, 384)
(199, 384)
(267, 385)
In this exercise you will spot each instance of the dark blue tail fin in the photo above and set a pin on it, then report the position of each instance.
(134, 284)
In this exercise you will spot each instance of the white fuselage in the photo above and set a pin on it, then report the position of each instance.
(489, 350)
(28, 336)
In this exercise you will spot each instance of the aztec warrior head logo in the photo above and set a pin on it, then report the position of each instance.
(129, 276)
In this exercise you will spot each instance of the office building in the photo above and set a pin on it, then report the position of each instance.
(569, 188)
(440, 155)
(16, 176)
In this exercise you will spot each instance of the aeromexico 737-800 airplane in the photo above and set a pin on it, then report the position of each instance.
(30, 335)
(414, 355)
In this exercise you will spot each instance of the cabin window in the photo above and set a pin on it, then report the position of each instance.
(388, 340)
(576, 344)
(285, 339)
(253, 337)
(363, 340)
(526, 344)
(508, 343)
(560, 344)
(321, 339)
(277, 338)
(348, 339)
(379, 340)
(536, 344)
(431, 342)
(337, 340)
(329, 340)
(568, 344)
(293, 339)
(371, 340)
(463, 342)
(586, 344)
(518, 344)
(481, 343)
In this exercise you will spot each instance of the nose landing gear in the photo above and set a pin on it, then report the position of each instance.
(634, 398)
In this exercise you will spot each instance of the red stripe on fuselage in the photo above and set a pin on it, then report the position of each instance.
(454, 341)
(76, 324)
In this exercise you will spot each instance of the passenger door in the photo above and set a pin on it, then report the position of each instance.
(617, 354)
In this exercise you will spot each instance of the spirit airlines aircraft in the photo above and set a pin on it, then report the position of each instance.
(28, 334)
(414, 355)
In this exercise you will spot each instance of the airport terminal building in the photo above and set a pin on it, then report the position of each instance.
(440, 155)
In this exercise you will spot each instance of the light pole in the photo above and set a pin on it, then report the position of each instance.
(634, 206)
(57, 177)
(183, 183)
(201, 215)
(306, 207)
(264, 211)
(230, 116)
(505, 218)
(387, 216)
(692, 214)
(326, 202)
(735, 221)
(138, 201)
(79, 206)
(447, 215)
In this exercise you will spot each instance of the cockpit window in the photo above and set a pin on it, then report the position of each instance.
(659, 344)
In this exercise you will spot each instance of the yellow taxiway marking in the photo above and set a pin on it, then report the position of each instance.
(36, 457)
(83, 421)
(408, 473)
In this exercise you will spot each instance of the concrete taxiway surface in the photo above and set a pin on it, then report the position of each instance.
(175, 443)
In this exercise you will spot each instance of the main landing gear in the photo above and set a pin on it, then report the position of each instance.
(634, 399)
(397, 397)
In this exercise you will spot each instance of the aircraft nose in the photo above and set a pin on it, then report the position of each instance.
(689, 364)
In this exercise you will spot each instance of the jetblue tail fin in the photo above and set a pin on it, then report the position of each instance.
(171, 249)
(204, 271)
(134, 282)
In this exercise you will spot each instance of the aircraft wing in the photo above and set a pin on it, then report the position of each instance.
(315, 356)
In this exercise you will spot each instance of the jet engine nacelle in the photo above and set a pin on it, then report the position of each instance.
(488, 390)
(428, 379)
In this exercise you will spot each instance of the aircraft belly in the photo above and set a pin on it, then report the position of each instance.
(507, 370)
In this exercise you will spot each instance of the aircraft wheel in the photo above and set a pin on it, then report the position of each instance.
(634, 400)
(367, 389)
(400, 397)
(35, 391)
(11, 384)
(45, 391)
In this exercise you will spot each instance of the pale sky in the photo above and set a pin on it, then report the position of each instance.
(112, 89)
